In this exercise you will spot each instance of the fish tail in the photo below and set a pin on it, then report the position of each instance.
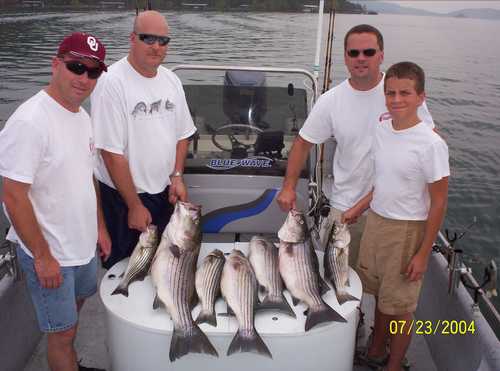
(207, 317)
(250, 342)
(277, 303)
(343, 297)
(121, 289)
(322, 314)
(190, 341)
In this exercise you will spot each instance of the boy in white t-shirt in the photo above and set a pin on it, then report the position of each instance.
(408, 204)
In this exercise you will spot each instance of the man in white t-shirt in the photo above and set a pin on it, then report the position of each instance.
(142, 125)
(47, 161)
(407, 206)
(348, 113)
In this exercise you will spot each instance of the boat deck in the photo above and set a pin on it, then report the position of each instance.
(91, 345)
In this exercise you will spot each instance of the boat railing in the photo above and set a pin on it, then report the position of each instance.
(459, 272)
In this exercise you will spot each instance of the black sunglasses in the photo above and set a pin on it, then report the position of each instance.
(79, 69)
(354, 53)
(151, 39)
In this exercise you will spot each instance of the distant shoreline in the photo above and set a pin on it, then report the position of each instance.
(83, 7)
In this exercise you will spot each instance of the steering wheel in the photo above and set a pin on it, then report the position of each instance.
(235, 143)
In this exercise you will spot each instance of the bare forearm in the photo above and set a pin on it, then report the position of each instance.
(364, 203)
(439, 200)
(296, 160)
(181, 151)
(119, 171)
(23, 219)
(432, 225)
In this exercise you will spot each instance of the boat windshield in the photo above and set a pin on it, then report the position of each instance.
(246, 121)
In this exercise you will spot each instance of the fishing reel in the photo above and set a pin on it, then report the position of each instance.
(8, 261)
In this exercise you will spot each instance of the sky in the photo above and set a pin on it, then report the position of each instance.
(442, 6)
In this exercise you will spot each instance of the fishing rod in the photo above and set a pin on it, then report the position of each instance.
(321, 205)
(327, 80)
(147, 7)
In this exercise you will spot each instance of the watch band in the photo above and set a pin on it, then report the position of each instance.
(176, 173)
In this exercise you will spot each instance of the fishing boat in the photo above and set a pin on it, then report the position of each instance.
(247, 119)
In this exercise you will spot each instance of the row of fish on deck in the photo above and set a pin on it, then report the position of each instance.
(173, 261)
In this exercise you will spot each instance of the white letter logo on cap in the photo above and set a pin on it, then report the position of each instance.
(92, 43)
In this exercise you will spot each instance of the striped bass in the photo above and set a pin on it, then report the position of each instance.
(297, 267)
(207, 284)
(263, 255)
(239, 289)
(140, 260)
(336, 262)
(173, 276)
(295, 227)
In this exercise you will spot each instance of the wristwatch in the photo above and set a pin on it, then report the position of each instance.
(176, 173)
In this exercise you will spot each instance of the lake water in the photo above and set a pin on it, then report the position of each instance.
(458, 55)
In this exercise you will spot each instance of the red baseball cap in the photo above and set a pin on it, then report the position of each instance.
(83, 45)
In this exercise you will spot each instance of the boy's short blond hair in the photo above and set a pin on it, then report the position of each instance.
(407, 70)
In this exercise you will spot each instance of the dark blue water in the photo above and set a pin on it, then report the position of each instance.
(460, 57)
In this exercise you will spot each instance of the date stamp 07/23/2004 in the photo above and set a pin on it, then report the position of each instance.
(438, 327)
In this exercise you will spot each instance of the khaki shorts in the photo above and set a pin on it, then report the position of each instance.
(387, 247)
(356, 231)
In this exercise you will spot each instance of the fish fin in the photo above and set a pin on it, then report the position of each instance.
(295, 301)
(191, 341)
(345, 297)
(230, 311)
(207, 317)
(322, 314)
(252, 343)
(157, 303)
(175, 250)
(121, 289)
(194, 301)
(323, 286)
(142, 275)
(121, 275)
(277, 303)
(289, 249)
(262, 289)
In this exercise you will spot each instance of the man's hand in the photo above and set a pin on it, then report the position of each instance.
(417, 266)
(350, 216)
(104, 243)
(139, 217)
(48, 271)
(287, 199)
(177, 190)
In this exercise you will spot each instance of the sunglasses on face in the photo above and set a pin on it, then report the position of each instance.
(151, 39)
(354, 53)
(79, 69)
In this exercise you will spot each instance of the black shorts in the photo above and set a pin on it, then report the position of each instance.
(115, 211)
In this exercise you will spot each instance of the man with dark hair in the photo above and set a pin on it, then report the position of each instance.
(348, 113)
(142, 125)
(46, 161)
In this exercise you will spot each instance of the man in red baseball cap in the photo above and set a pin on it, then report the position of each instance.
(83, 45)
(46, 164)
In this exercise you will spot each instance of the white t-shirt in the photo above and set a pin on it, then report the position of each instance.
(405, 162)
(143, 119)
(51, 148)
(349, 115)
